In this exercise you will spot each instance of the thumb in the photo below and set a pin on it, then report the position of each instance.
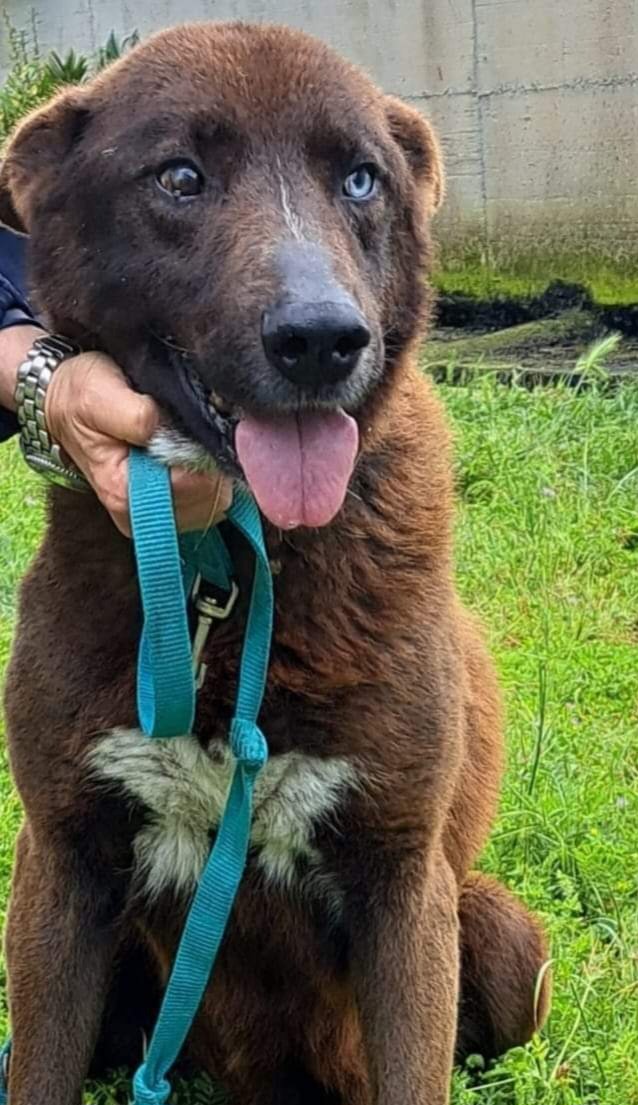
(138, 424)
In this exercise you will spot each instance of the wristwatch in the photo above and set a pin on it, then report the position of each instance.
(39, 449)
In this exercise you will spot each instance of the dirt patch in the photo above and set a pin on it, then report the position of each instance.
(456, 310)
(538, 339)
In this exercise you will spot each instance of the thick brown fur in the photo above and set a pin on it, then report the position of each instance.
(373, 661)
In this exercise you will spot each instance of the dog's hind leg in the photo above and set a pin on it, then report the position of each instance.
(130, 1013)
(505, 986)
(61, 938)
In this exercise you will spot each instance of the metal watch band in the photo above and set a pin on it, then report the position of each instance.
(39, 449)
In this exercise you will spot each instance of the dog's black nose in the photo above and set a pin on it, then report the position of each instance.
(314, 343)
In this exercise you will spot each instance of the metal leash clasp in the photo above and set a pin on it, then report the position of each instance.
(209, 607)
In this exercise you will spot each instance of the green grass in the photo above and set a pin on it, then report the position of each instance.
(609, 284)
(20, 524)
(548, 555)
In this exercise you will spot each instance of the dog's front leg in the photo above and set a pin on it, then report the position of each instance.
(61, 939)
(405, 969)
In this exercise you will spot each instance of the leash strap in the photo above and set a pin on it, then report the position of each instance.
(215, 894)
(165, 685)
(166, 707)
(5, 1052)
(205, 926)
(166, 569)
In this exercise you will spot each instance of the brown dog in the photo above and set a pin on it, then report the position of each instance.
(241, 219)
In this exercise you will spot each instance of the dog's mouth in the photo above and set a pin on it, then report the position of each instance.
(219, 420)
(297, 463)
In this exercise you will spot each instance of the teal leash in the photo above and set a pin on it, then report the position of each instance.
(165, 687)
(167, 566)
(5, 1052)
(166, 693)
(165, 649)
(165, 631)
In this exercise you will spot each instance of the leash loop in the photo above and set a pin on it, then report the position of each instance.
(150, 1095)
(248, 745)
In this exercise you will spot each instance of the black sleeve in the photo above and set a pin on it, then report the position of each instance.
(14, 306)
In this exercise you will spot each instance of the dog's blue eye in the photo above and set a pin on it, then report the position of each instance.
(360, 183)
(181, 180)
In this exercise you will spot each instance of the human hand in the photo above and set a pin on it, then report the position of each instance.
(94, 415)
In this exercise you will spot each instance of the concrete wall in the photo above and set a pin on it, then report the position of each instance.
(536, 101)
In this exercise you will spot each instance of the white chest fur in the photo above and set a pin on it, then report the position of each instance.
(184, 789)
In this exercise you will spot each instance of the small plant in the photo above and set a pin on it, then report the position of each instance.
(29, 82)
(33, 79)
(591, 365)
(114, 49)
(72, 69)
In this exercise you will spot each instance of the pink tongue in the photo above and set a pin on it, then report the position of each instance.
(298, 465)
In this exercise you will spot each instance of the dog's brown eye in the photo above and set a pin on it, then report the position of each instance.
(360, 183)
(181, 180)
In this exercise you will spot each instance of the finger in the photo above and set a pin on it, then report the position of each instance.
(200, 500)
(200, 484)
(109, 406)
(122, 521)
(200, 515)
(196, 516)
(108, 477)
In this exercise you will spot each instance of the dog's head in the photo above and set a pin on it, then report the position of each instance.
(239, 217)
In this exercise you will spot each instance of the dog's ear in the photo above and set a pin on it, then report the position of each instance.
(420, 145)
(36, 153)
